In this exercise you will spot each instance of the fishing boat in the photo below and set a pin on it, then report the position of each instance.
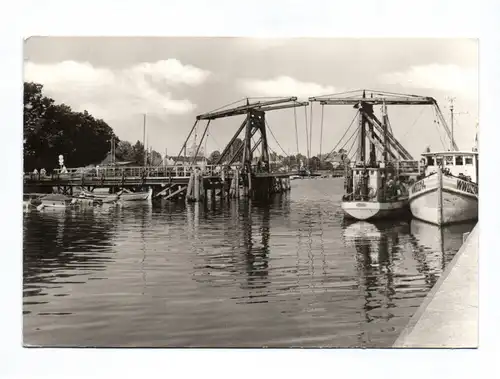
(377, 179)
(448, 191)
(373, 192)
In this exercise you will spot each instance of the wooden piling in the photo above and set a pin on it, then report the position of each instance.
(237, 184)
(250, 184)
(189, 192)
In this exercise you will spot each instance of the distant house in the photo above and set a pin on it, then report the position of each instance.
(337, 160)
(108, 162)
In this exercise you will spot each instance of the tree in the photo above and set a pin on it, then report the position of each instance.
(214, 157)
(155, 159)
(138, 153)
(52, 129)
(124, 151)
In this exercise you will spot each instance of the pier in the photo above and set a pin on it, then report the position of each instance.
(448, 317)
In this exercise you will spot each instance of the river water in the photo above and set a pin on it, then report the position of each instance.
(287, 274)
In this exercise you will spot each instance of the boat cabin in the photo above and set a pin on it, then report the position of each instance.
(459, 163)
(367, 183)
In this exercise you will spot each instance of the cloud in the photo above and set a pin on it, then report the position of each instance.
(453, 79)
(118, 94)
(283, 86)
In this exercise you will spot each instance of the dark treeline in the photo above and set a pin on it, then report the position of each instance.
(52, 129)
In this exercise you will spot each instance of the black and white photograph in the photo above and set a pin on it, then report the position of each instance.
(222, 192)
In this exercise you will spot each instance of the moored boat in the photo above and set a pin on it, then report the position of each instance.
(376, 182)
(372, 193)
(126, 195)
(101, 197)
(55, 201)
(448, 193)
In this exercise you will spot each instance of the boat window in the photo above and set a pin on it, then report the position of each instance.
(449, 160)
(430, 161)
(357, 172)
(468, 161)
(459, 160)
(439, 161)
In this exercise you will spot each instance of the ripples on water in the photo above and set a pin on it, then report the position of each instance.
(291, 273)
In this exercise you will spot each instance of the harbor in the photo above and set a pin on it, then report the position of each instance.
(353, 242)
(266, 204)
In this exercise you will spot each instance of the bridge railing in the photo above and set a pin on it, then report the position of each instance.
(140, 172)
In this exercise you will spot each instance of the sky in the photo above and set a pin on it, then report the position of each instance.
(174, 79)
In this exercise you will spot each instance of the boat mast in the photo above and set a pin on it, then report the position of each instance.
(384, 124)
(452, 142)
(362, 133)
(144, 138)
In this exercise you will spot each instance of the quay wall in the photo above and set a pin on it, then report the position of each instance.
(448, 317)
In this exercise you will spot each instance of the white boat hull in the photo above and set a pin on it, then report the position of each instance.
(136, 196)
(456, 200)
(368, 210)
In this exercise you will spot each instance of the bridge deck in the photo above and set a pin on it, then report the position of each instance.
(133, 176)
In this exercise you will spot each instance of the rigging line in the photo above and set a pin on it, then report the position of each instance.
(340, 140)
(310, 126)
(211, 136)
(412, 125)
(227, 105)
(436, 123)
(296, 129)
(356, 131)
(353, 142)
(321, 132)
(439, 134)
(307, 134)
(284, 152)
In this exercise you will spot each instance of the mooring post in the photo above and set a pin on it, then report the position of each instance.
(196, 185)
(250, 184)
(203, 191)
(237, 184)
(190, 187)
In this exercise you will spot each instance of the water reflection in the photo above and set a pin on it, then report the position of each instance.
(55, 250)
(434, 247)
(289, 272)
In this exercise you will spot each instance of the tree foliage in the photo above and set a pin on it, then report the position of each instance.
(52, 129)
(214, 157)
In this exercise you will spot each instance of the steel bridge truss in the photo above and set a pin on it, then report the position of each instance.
(255, 121)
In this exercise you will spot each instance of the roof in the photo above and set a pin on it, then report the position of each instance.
(458, 152)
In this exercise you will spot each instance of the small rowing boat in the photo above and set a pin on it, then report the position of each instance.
(102, 197)
(126, 195)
